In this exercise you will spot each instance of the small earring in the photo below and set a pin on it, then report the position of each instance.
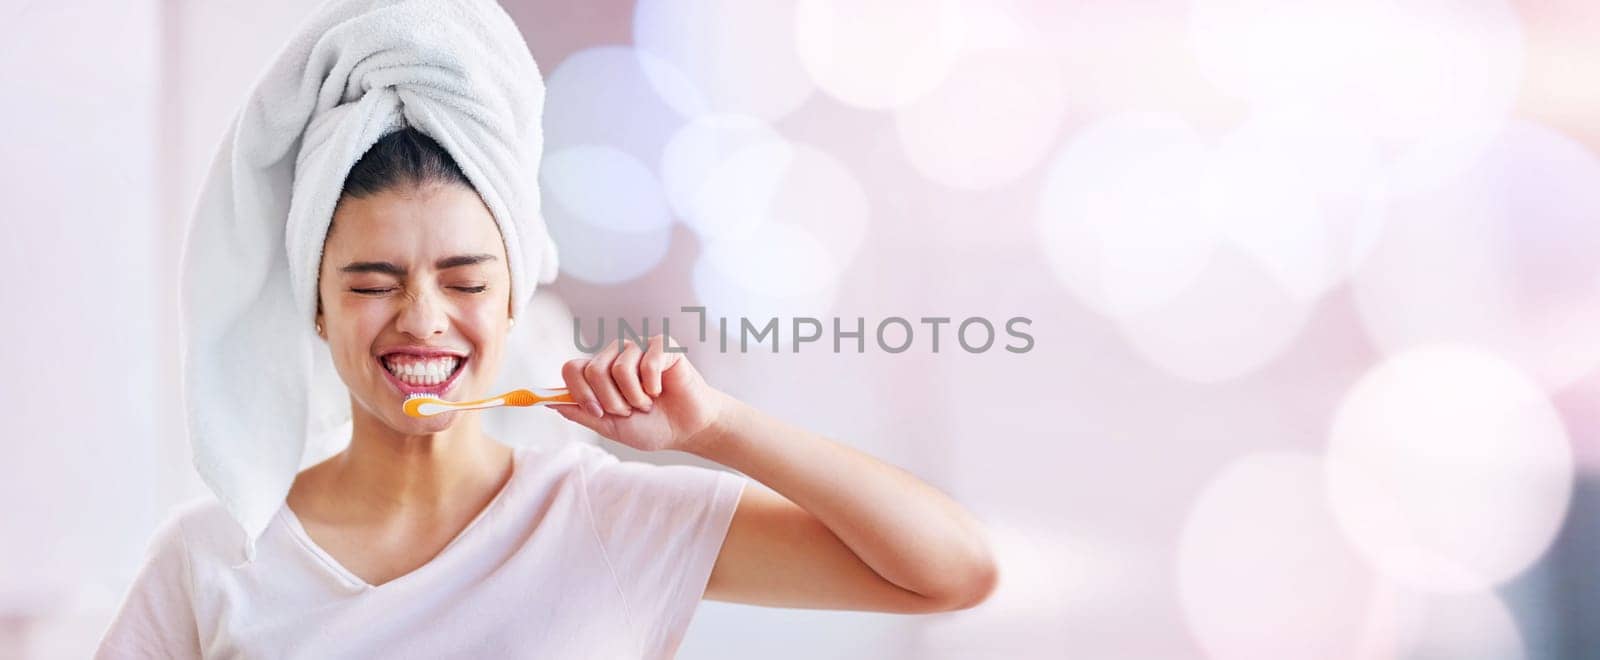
(513, 323)
(319, 329)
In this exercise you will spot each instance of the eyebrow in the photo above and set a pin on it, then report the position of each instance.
(387, 268)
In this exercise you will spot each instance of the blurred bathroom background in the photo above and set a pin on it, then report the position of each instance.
(1313, 285)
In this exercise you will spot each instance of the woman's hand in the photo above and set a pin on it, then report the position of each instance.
(833, 528)
(647, 399)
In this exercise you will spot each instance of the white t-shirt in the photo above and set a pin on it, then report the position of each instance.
(580, 555)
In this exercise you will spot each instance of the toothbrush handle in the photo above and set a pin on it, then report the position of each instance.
(554, 395)
(535, 397)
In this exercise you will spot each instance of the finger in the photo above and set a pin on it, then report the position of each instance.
(582, 417)
(598, 374)
(655, 361)
(625, 373)
(578, 387)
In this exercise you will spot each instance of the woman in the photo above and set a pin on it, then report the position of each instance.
(428, 538)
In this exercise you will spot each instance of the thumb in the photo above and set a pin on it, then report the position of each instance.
(582, 417)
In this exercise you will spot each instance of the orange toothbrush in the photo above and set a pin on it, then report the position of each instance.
(427, 405)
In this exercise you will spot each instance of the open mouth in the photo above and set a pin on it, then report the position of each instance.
(413, 374)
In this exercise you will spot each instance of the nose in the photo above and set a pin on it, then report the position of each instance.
(423, 315)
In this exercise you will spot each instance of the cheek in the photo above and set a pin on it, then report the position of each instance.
(484, 335)
(486, 332)
(354, 330)
(364, 322)
(484, 313)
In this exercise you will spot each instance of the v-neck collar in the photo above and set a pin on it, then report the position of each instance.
(345, 575)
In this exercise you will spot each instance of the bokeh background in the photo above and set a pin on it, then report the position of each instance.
(1313, 285)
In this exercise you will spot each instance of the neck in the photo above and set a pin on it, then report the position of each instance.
(386, 471)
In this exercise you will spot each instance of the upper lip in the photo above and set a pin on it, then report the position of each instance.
(422, 352)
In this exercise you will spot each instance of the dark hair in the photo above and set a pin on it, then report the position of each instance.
(404, 157)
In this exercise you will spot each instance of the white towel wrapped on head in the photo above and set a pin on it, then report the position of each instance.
(457, 70)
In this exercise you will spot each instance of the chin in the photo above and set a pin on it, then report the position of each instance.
(432, 424)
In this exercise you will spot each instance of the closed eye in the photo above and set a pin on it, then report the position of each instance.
(466, 289)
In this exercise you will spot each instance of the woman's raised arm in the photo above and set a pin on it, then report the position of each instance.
(842, 530)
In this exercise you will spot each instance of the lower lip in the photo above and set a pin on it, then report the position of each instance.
(436, 389)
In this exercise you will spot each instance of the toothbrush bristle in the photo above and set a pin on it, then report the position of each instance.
(413, 404)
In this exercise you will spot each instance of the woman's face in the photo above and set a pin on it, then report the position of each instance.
(414, 297)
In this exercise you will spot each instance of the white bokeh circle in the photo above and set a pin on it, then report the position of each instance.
(1301, 193)
(1503, 256)
(1121, 212)
(584, 180)
(775, 270)
(878, 54)
(1402, 70)
(1211, 254)
(613, 95)
(721, 173)
(1233, 319)
(728, 176)
(740, 56)
(994, 117)
(601, 256)
(1263, 571)
(1448, 468)
(1433, 79)
(603, 237)
(1472, 625)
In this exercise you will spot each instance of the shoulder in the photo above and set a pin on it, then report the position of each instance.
(646, 484)
(602, 476)
(199, 527)
(550, 469)
(574, 458)
(596, 469)
(157, 614)
(586, 452)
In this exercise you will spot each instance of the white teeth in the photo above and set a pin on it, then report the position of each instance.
(422, 372)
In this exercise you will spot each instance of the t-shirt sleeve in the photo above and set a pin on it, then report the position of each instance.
(156, 618)
(661, 527)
